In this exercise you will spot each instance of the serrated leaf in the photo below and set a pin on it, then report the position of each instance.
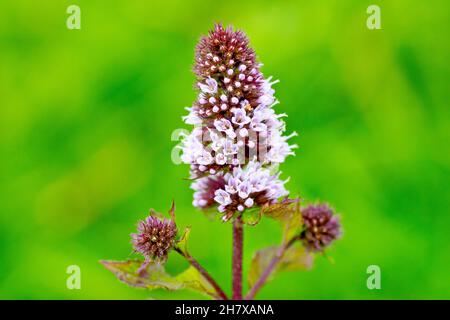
(292, 227)
(260, 261)
(279, 211)
(294, 259)
(155, 277)
(193, 280)
(288, 213)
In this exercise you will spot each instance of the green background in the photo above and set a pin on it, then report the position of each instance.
(86, 118)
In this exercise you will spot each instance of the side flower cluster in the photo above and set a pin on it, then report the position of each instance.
(237, 134)
(321, 227)
(155, 237)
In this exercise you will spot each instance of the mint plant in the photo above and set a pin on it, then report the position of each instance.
(234, 152)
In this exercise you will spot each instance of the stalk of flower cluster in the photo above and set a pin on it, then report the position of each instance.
(194, 263)
(237, 135)
(238, 243)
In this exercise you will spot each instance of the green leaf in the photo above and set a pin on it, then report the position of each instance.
(288, 213)
(294, 258)
(152, 275)
(260, 261)
(292, 227)
(155, 276)
(193, 280)
(182, 243)
(172, 210)
(279, 211)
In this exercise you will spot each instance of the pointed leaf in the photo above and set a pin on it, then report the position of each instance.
(279, 211)
(295, 258)
(288, 213)
(260, 261)
(172, 211)
(193, 280)
(293, 226)
(182, 243)
(155, 277)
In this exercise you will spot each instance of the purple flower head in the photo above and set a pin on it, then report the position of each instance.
(155, 237)
(321, 227)
(235, 99)
(237, 134)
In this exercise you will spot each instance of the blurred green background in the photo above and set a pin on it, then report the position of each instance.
(86, 118)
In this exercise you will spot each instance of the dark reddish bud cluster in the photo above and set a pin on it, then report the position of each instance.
(155, 238)
(226, 64)
(321, 227)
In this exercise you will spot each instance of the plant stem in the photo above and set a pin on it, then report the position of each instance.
(193, 262)
(272, 264)
(238, 240)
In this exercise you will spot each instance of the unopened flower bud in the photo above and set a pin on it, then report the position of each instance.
(155, 237)
(321, 227)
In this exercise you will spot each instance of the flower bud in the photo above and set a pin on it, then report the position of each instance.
(321, 227)
(155, 237)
